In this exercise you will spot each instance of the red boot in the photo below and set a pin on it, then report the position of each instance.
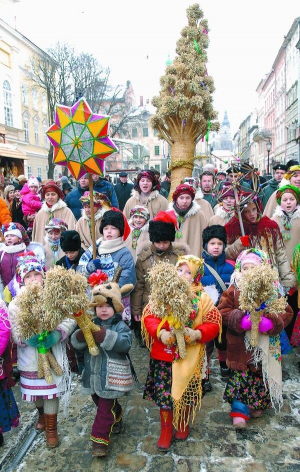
(165, 439)
(182, 434)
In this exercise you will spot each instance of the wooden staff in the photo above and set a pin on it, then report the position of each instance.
(91, 188)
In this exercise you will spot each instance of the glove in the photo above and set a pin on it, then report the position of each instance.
(191, 336)
(265, 325)
(52, 338)
(80, 336)
(93, 265)
(167, 337)
(33, 341)
(245, 240)
(99, 335)
(246, 323)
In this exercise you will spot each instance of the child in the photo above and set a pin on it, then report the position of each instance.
(224, 211)
(83, 225)
(30, 270)
(31, 200)
(9, 413)
(16, 240)
(217, 274)
(70, 244)
(107, 376)
(175, 384)
(53, 251)
(139, 218)
(246, 390)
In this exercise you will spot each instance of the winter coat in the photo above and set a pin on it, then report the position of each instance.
(268, 191)
(9, 260)
(114, 348)
(4, 337)
(143, 238)
(166, 185)
(73, 202)
(148, 256)
(5, 216)
(154, 203)
(191, 227)
(31, 203)
(237, 356)
(49, 256)
(294, 231)
(123, 192)
(58, 210)
(204, 206)
(211, 199)
(84, 229)
(67, 264)
(221, 266)
(103, 186)
(221, 216)
(17, 213)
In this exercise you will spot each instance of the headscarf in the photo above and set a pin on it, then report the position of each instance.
(139, 210)
(100, 199)
(292, 170)
(183, 189)
(147, 174)
(288, 189)
(195, 264)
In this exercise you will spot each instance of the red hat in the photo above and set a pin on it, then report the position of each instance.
(183, 189)
(52, 187)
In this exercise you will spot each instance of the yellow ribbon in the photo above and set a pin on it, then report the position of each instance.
(172, 322)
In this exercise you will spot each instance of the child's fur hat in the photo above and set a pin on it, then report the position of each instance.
(110, 290)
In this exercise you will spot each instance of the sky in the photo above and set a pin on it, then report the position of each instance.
(134, 38)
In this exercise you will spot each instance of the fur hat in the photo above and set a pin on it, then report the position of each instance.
(115, 217)
(163, 227)
(56, 223)
(214, 231)
(183, 189)
(28, 263)
(70, 241)
(17, 230)
(51, 186)
(110, 293)
(33, 182)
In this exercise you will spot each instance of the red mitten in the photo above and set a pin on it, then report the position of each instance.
(99, 335)
(245, 240)
(80, 336)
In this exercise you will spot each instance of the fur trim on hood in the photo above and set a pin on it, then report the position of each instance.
(137, 195)
(177, 248)
(279, 212)
(57, 206)
(199, 194)
(192, 211)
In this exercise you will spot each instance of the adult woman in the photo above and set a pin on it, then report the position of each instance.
(9, 193)
(53, 207)
(146, 193)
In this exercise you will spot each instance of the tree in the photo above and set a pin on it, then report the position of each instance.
(184, 107)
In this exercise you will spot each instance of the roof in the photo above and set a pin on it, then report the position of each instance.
(9, 150)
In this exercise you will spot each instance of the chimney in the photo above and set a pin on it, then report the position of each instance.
(141, 101)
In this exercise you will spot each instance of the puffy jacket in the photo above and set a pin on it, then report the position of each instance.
(4, 334)
(221, 266)
(5, 216)
(73, 202)
(31, 203)
(8, 262)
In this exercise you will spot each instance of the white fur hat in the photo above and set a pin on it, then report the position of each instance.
(33, 182)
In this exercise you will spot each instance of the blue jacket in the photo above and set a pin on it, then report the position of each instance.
(73, 202)
(219, 264)
(103, 186)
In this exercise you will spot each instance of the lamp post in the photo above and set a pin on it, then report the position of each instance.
(269, 145)
(168, 161)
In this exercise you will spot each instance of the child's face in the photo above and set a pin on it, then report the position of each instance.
(11, 194)
(228, 203)
(184, 201)
(33, 189)
(11, 239)
(184, 272)
(162, 246)
(288, 202)
(215, 247)
(138, 221)
(250, 213)
(104, 312)
(88, 211)
(110, 232)
(33, 276)
(247, 266)
(71, 255)
(54, 234)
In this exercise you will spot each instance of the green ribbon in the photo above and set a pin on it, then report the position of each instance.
(42, 336)
(197, 47)
(208, 130)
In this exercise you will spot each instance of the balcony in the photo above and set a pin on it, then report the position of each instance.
(262, 134)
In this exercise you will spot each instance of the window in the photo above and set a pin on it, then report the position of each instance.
(45, 127)
(39, 172)
(24, 95)
(35, 99)
(29, 172)
(26, 127)
(145, 132)
(157, 167)
(44, 104)
(7, 100)
(36, 130)
(134, 132)
(135, 152)
(155, 132)
(156, 150)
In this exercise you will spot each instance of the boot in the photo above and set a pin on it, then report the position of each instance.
(183, 432)
(99, 450)
(51, 430)
(165, 439)
(40, 424)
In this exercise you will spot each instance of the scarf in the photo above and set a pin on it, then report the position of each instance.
(55, 247)
(287, 220)
(21, 247)
(135, 236)
(180, 218)
(104, 250)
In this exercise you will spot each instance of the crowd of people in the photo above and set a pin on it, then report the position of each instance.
(171, 273)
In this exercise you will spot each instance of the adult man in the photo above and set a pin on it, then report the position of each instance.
(207, 182)
(123, 189)
(101, 185)
(166, 184)
(73, 198)
(268, 190)
(161, 190)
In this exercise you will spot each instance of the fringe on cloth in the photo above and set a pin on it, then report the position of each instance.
(268, 353)
(145, 335)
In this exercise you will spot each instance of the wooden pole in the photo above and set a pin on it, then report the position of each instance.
(91, 188)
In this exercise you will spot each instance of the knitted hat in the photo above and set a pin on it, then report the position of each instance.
(28, 263)
(147, 174)
(195, 264)
(163, 227)
(139, 210)
(17, 230)
(292, 170)
(70, 241)
(100, 199)
(64, 179)
(56, 223)
(252, 256)
(288, 189)
(33, 182)
(183, 189)
(226, 191)
(66, 186)
(214, 231)
(115, 217)
(51, 186)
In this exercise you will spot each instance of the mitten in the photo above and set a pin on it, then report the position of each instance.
(265, 325)
(99, 335)
(80, 336)
(245, 240)
(166, 337)
(51, 339)
(246, 323)
(192, 335)
(93, 265)
(33, 341)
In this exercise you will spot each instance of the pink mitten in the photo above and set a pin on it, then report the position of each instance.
(246, 323)
(265, 325)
